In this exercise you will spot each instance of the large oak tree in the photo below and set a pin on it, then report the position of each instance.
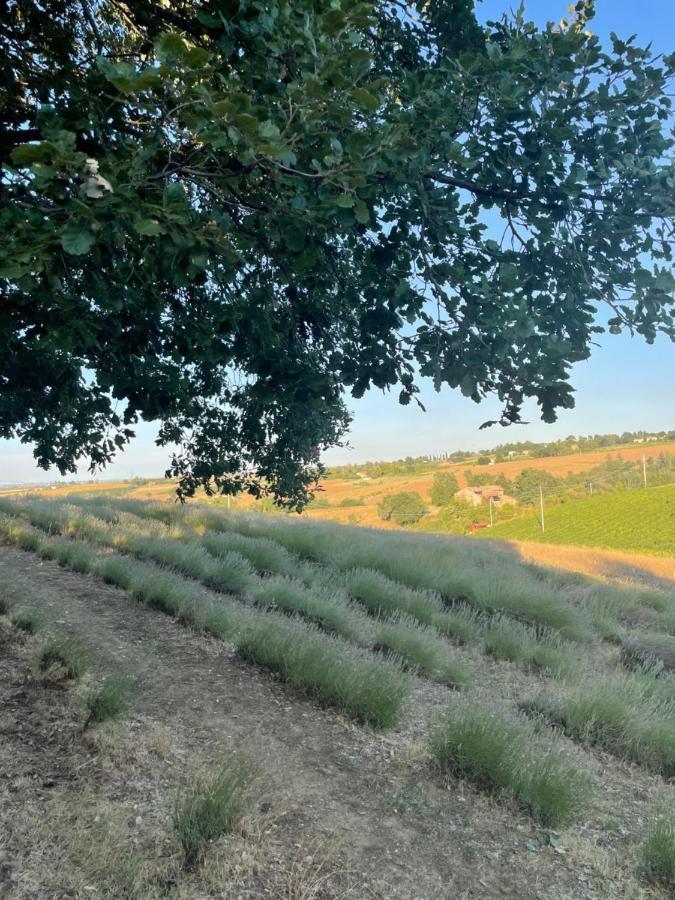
(226, 215)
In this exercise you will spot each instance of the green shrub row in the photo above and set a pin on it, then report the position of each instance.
(371, 690)
(368, 688)
(327, 607)
(630, 715)
(507, 756)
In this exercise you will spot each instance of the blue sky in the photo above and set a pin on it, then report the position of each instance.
(626, 385)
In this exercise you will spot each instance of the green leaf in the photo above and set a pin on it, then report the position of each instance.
(467, 385)
(362, 212)
(364, 98)
(268, 130)
(170, 47)
(196, 57)
(76, 239)
(26, 154)
(246, 123)
(150, 227)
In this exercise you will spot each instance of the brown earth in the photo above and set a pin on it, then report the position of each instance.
(608, 565)
(341, 812)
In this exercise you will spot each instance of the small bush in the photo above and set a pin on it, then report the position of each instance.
(266, 556)
(116, 569)
(507, 756)
(460, 622)
(631, 716)
(348, 502)
(210, 805)
(528, 647)
(495, 590)
(72, 554)
(26, 622)
(218, 622)
(159, 590)
(108, 701)
(229, 572)
(370, 690)
(658, 852)
(383, 596)
(640, 649)
(328, 610)
(319, 503)
(420, 650)
(63, 658)
(20, 534)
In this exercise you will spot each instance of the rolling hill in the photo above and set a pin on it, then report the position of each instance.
(642, 521)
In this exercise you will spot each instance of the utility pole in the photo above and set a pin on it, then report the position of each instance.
(590, 487)
(541, 507)
(644, 470)
(490, 512)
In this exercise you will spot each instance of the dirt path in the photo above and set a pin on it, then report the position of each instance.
(402, 832)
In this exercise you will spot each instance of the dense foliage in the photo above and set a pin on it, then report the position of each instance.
(443, 488)
(222, 215)
(404, 508)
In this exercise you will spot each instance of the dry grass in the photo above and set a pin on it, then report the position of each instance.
(84, 842)
(210, 804)
(658, 851)
(643, 648)
(62, 660)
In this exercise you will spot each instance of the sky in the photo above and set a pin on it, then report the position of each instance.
(625, 386)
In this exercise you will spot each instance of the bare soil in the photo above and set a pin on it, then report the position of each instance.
(340, 812)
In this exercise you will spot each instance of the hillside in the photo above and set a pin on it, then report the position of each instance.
(361, 495)
(643, 521)
(380, 715)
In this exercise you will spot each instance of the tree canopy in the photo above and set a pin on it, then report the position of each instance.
(229, 215)
(444, 486)
(404, 508)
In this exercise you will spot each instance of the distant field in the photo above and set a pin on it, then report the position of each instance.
(642, 521)
(369, 492)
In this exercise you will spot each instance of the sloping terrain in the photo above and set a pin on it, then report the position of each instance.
(643, 521)
(208, 618)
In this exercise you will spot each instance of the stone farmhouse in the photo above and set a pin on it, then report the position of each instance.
(478, 494)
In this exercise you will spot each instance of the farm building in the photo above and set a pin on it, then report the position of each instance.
(483, 493)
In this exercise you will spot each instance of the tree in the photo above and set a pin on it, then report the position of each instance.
(529, 481)
(223, 216)
(476, 478)
(443, 488)
(404, 508)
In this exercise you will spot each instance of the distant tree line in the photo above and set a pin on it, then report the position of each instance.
(416, 465)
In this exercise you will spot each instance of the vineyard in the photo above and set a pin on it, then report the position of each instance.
(640, 520)
(434, 694)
